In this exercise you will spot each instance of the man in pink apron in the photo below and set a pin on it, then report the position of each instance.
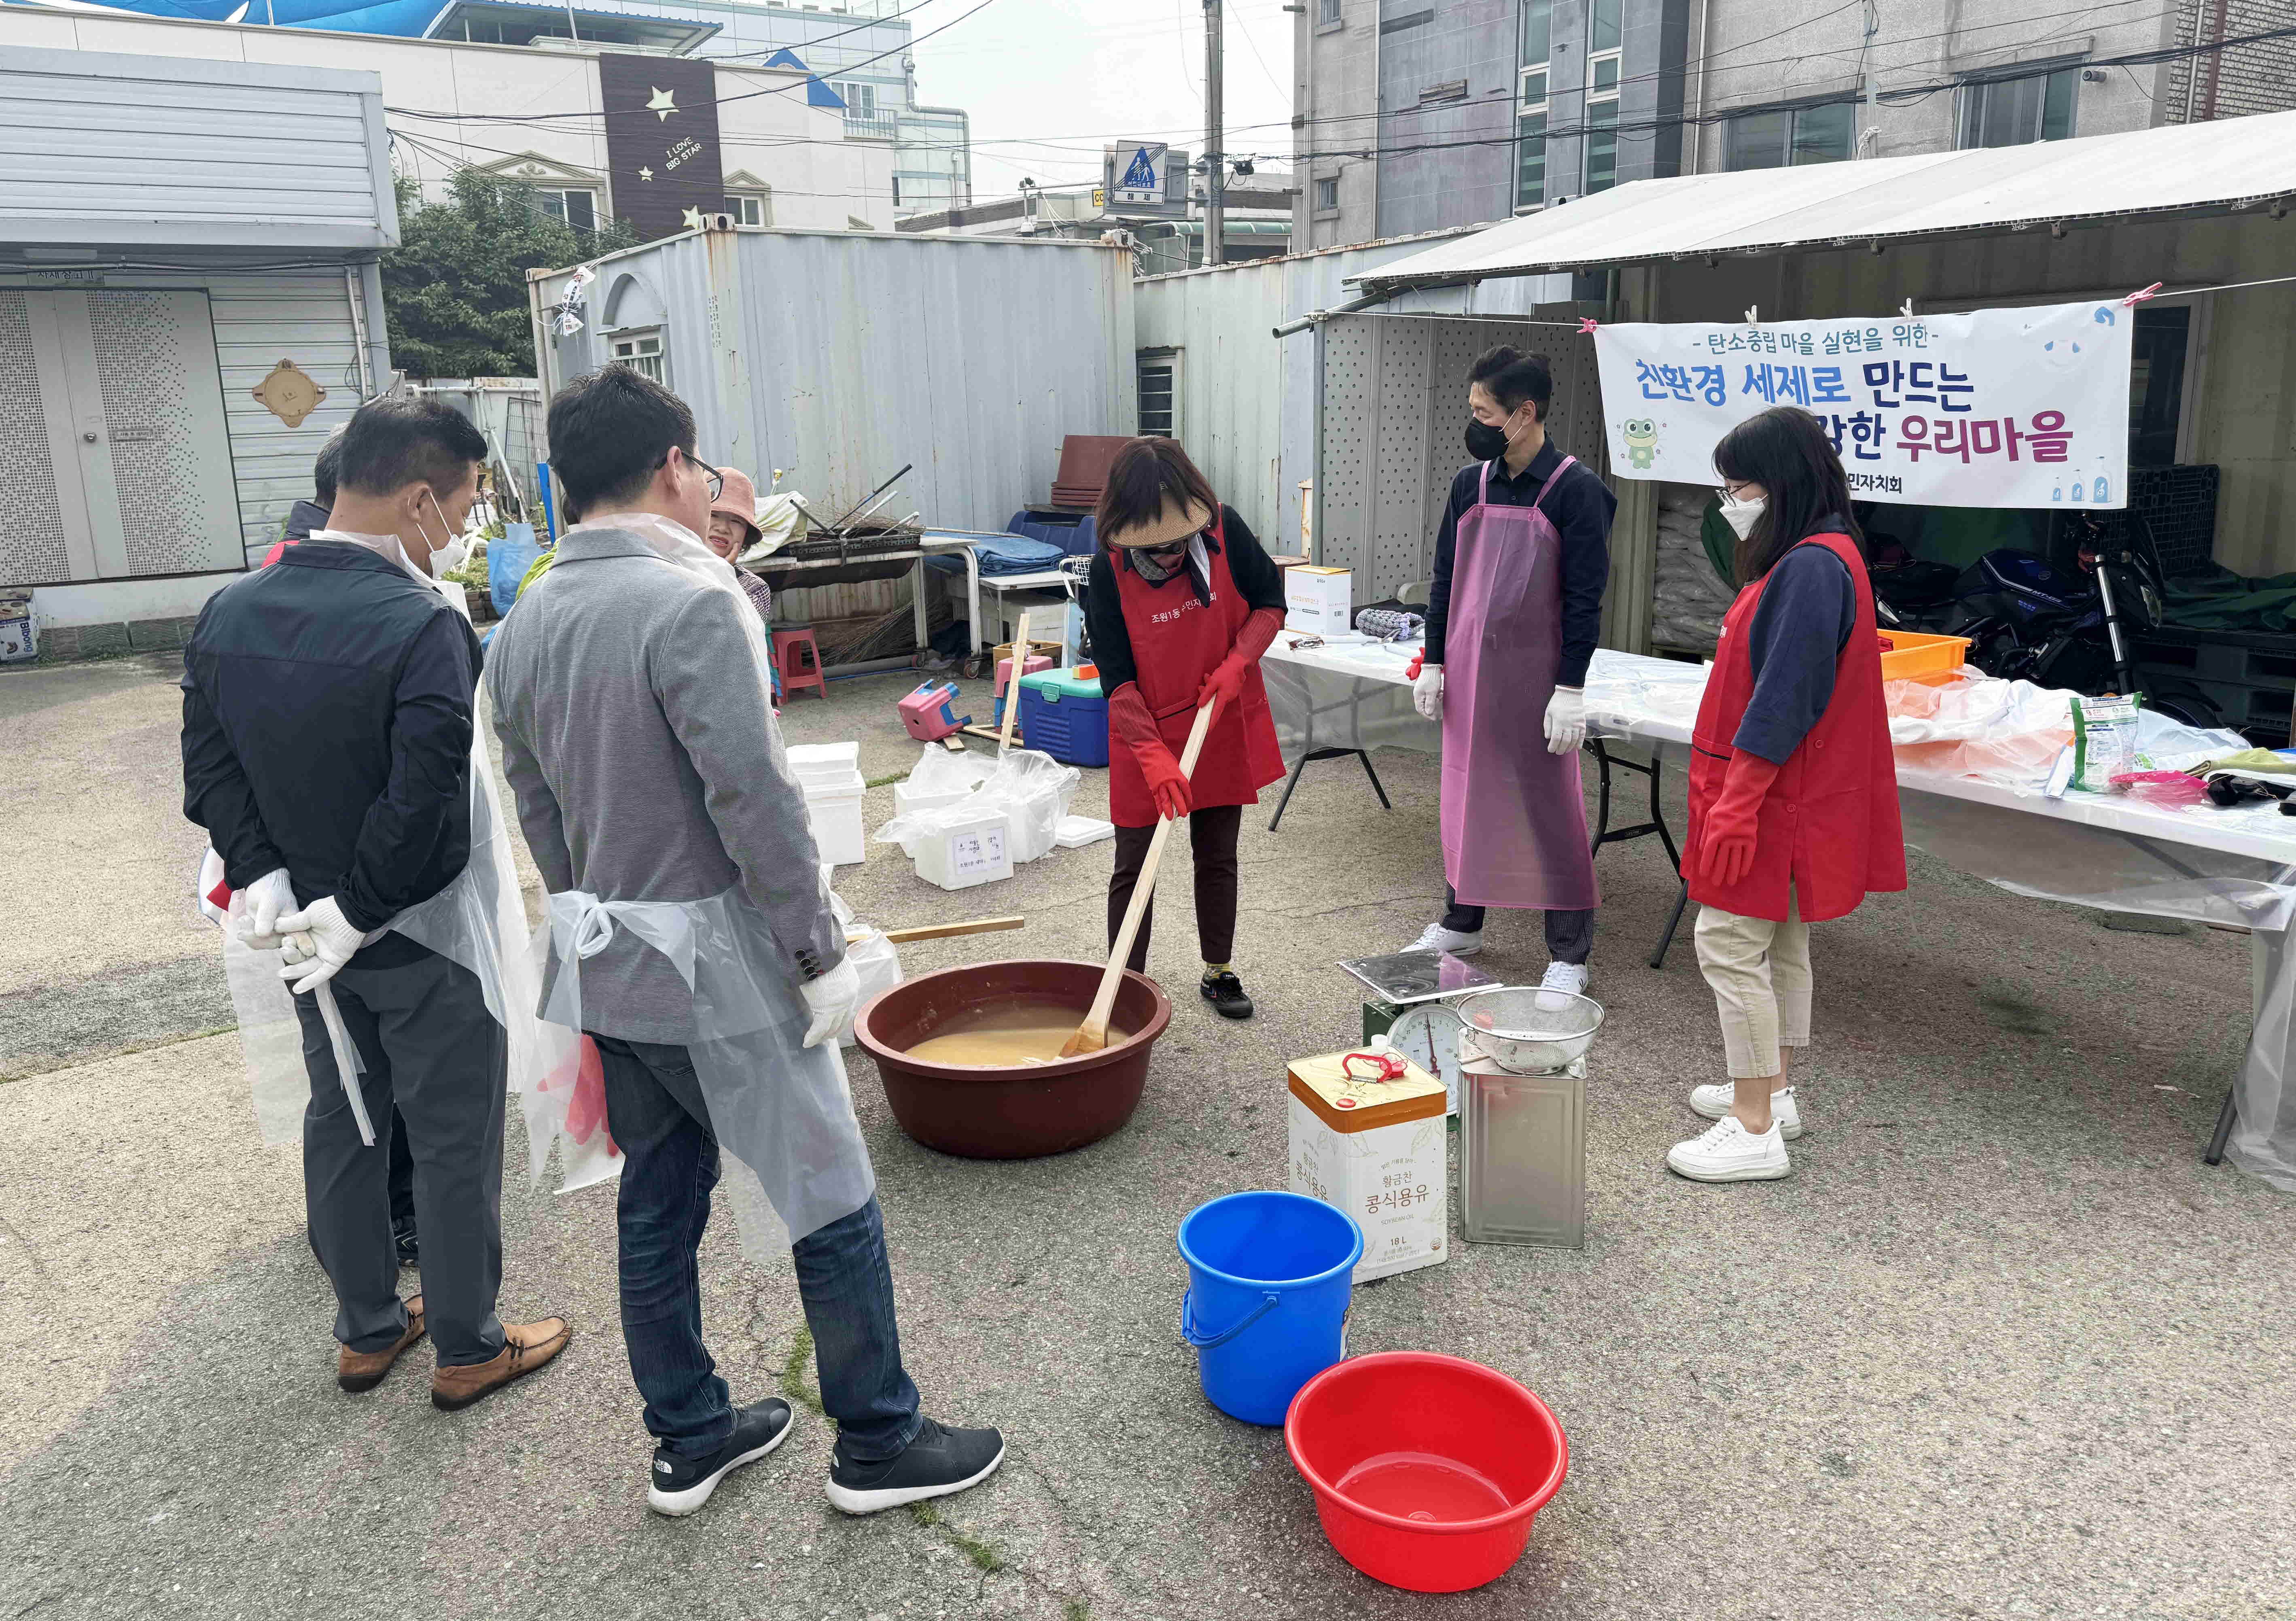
(1512, 617)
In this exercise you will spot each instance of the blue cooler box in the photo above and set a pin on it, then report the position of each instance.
(1063, 714)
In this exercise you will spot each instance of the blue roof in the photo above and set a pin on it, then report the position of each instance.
(816, 93)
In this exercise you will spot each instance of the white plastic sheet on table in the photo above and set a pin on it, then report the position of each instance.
(1028, 786)
(1350, 693)
(782, 1115)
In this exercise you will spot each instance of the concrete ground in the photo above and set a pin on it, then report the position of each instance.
(2002, 1345)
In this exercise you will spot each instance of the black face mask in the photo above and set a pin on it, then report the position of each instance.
(1485, 443)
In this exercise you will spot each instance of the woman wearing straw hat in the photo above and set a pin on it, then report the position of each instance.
(734, 529)
(1181, 603)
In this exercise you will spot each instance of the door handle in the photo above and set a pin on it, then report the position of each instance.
(90, 438)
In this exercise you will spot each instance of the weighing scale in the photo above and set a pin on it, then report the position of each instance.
(1400, 981)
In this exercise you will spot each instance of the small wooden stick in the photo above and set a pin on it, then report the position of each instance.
(944, 931)
(1091, 1035)
(1012, 682)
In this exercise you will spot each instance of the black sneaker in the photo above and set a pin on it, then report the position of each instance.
(938, 1462)
(681, 1486)
(410, 1252)
(1224, 992)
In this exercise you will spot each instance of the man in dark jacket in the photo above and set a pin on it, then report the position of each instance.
(327, 733)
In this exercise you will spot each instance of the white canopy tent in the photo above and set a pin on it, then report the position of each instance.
(2224, 166)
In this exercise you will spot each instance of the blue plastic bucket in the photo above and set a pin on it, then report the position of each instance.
(1269, 1277)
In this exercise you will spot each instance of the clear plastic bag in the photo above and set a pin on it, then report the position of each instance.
(875, 958)
(1028, 786)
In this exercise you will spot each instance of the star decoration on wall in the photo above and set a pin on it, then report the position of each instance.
(664, 103)
(693, 219)
(645, 174)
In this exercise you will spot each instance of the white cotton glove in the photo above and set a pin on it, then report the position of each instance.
(1566, 720)
(269, 897)
(319, 941)
(1427, 692)
(831, 999)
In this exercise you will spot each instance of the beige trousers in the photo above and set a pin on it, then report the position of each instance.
(1760, 972)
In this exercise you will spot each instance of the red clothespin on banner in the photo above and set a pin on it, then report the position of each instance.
(1587, 324)
(2140, 295)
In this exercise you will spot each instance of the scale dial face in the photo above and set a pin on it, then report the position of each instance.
(1429, 1036)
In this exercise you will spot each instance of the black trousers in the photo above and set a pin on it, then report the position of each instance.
(1569, 936)
(1211, 842)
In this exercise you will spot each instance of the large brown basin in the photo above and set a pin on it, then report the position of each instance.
(1011, 1113)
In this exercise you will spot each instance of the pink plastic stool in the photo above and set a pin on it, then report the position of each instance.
(799, 658)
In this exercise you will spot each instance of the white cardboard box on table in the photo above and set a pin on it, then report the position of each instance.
(1318, 600)
(1377, 1149)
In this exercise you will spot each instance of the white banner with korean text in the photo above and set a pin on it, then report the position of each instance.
(1996, 408)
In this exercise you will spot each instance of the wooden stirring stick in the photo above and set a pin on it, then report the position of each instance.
(1013, 683)
(1091, 1035)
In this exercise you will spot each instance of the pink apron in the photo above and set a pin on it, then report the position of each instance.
(1514, 824)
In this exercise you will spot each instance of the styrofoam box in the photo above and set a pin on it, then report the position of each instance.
(824, 761)
(833, 810)
(907, 799)
(1075, 832)
(978, 850)
(1318, 600)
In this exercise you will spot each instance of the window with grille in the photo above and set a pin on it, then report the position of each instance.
(1327, 195)
(1160, 391)
(1327, 13)
(642, 352)
(2036, 106)
(1531, 109)
(1603, 67)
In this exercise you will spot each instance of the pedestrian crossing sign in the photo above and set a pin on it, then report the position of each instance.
(1143, 171)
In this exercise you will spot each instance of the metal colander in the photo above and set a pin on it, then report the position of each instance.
(1523, 1028)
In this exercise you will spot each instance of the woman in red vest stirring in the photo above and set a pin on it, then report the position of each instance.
(1182, 601)
(1793, 791)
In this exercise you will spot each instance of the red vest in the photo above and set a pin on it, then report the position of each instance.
(1175, 641)
(1829, 831)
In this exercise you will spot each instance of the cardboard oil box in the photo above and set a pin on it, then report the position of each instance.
(1318, 600)
(1377, 1150)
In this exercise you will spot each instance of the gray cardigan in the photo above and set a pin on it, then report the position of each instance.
(644, 771)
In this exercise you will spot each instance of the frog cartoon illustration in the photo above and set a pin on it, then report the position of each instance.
(1642, 442)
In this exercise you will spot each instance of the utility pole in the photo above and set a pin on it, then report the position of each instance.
(1215, 144)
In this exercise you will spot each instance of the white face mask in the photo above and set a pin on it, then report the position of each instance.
(450, 554)
(1742, 515)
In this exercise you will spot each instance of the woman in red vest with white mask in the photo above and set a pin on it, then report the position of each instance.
(1793, 791)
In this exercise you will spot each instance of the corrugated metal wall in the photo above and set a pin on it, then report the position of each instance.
(146, 149)
(969, 356)
(1247, 397)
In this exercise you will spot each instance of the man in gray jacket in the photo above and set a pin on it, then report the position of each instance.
(638, 736)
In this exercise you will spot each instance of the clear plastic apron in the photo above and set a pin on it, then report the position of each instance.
(466, 923)
(780, 1110)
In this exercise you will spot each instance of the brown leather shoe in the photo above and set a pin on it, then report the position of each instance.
(359, 1370)
(527, 1346)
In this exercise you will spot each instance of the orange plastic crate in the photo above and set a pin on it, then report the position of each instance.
(1909, 655)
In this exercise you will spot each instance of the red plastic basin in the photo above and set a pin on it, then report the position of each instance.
(1427, 1470)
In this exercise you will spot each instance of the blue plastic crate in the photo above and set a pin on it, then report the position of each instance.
(1065, 715)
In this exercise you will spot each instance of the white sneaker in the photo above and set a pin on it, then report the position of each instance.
(1729, 1153)
(1436, 938)
(1716, 1100)
(1571, 976)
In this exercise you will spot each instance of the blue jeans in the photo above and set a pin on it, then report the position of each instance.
(656, 1112)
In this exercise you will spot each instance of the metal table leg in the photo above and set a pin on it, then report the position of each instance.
(1673, 922)
(2225, 1116)
(1300, 765)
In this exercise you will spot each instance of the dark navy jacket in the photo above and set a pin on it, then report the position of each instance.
(327, 730)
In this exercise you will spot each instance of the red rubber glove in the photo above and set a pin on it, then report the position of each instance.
(1135, 727)
(1226, 682)
(1726, 851)
(1418, 660)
